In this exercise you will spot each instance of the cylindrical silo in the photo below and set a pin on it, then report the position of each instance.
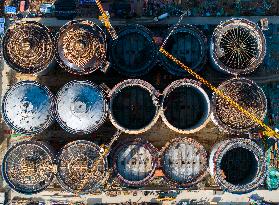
(188, 44)
(134, 106)
(28, 107)
(28, 167)
(134, 52)
(184, 161)
(81, 107)
(135, 161)
(238, 46)
(238, 165)
(81, 47)
(28, 47)
(185, 106)
(248, 95)
(80, 168)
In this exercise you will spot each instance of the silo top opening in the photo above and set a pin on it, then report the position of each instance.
(135, 162)
(28, 47)
(238, 46)
(186, 106)
(80, 170)
(248, 95)
(184, 161)
(239, 166)
(134, 52)
(28, 107)
(81, 107)
(187, 44)
(28, 167)
(81, 47)
(133, 106)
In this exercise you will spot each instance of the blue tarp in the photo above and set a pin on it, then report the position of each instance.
(86, 1)
(10, 10)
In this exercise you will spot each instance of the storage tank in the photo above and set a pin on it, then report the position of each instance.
(27, 107)
(79, 168)
(189, 45)
(238, 46)
(81, 47)
(185, 106)
(28, 167)
(81, 107)
(28, 47)
(134, 161)
(134, 106)
(134, 52)
(184, 161)
(248, 95)
(238, 165)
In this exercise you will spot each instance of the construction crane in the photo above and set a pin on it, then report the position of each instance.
(104, 18)
(105, 149)
(267, 130)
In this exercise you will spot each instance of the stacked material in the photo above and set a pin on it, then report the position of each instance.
(81, 47)
(248, 95)
(28, 47)
(80, 169)
(28, 167)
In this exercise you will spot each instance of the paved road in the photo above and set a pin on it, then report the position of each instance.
(171, 20)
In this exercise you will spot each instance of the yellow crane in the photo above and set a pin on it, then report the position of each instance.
(105, 149)
(105, 19)
(267, 130)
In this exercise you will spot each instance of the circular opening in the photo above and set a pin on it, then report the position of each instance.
(186, 107)
(133, 108)
(239, 166)
(133, 53)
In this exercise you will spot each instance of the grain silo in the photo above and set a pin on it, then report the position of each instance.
(184, 161)
(248, 95)
(81, 47)
(238, 46)
(81, 107)
(238, 165)
(189, 45)
(134, 52)
(28, 47)
(135, 161)
(79, 167)
(28, 167)
(185, 106)
(28, 107)
(134, 106)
